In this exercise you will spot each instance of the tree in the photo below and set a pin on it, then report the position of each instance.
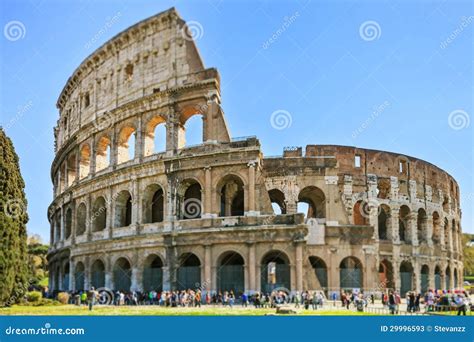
(13, 219)
(468, 253)
(37, 261)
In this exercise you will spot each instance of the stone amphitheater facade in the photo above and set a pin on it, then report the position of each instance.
(220, 215)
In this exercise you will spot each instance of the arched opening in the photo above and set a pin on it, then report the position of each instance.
(57, 279)
(316, 201)
(230, 273)
(153, 204)
(99, 214)
(98, 274)
(85, 161)
(361, 213)
(351, 274)
(275, 272)
(403, 232)
(406, 278)
(190, 200)
(123, 209)
(155, 136)
(231, 196)
(383, 216)
(436, 228)
(122, 275)
(71, 169)
(425, 278)
(65, 280)
(126, 144)
(438, 278)
(455, 273)
(102, 160)
(421, 226)
(58, 226)
(189, 272)
(191, 130)
(81, 217)
(447, 278)
(68, 223)
(277, 198)
(320, 271)
(79, 271)
(153, 274)
(386, 275)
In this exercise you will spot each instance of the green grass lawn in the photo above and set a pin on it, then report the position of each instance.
(72, 310)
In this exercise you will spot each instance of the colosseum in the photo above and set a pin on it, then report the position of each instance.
(136, 208)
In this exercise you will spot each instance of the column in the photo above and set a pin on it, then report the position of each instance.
(93, 157)
(417, 275)
(207, 268)
(394, 217)
(208, 210)
(139, 142)
(110, 213)
(413, 228)
(396, 275)
(72, 278)
(87, 274)
(251, 189)
(137, 279)
(299, 266)
(429, 230)
(62, 236)
(251, 267)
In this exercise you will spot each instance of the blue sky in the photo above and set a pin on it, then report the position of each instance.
(412, 65)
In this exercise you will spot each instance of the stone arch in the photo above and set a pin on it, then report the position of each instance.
(189, 272)
(403, 228)
(99, 214)
(84, 161)
(320, 271)
(71, 169)
(122, 273)
(447, 277)
(436, 228)
(231, 195)
(123, 209)
(57, 235)
(126, 144)
(386, 275)
(406, 277)
(98, 274)
(383, 223)
(153, 204)
(191, 124)
(438, 276)
(425, 278)
(277, 199)
(455, 275)
(155, 135)
(421, 226)
(66, 276)
(103, 153)
(79, 276)
(275, 271)
(68, 223)
(81, 218)
(189, 199)
(360, 213)
(351, 274)
(316, 201)
(230, 272)
(153, 273)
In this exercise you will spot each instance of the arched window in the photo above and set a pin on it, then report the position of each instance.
(320, 272)
(315, 200)
(98, 274)
(350, 274)
(384, 214)
(103, 153)
(153, 274)
(71, 169)
(57, 235)
(81, 217)
(403, 223)
(155, 136)
(437, 278)
(189, 272)
(406, 278)
(190, 200)
(79, 272)
(68, 223)
(99, 214)
(153, 204)
(231, 196)
(386, 275)
(277, 198)
(230, 273)
(425, 276)
(436, 228)
(126, 144)
(275, 272)
(122, 275)
(85, 161)
(123, 209)
(361, 213)
(421, 226)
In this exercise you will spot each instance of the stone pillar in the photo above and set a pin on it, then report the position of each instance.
(135, 201)
(431, 277)
(429, 230)
(93, 157)
(87, 274)
(412, 228)
(139, 141)
(396, 275)
(72, 278)
(62, 235)
(251, 189)
(207, 269)
(333, 271)
(394, 217)
(252, 268)
(208, 210)
(110, 213)
(166, 278)
(417, 275)
(299, 266)
(113, 149)
(137, 279)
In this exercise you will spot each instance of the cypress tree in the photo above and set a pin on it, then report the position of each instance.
(13, 219)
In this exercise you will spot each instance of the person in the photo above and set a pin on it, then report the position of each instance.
(359, 302)
(297, 300)
(461, 304)
(314, 301)
(92, 297)
(244, 300)
(392, 302)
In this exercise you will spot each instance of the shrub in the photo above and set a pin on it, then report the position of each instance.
(63, 297)
(34, 296)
